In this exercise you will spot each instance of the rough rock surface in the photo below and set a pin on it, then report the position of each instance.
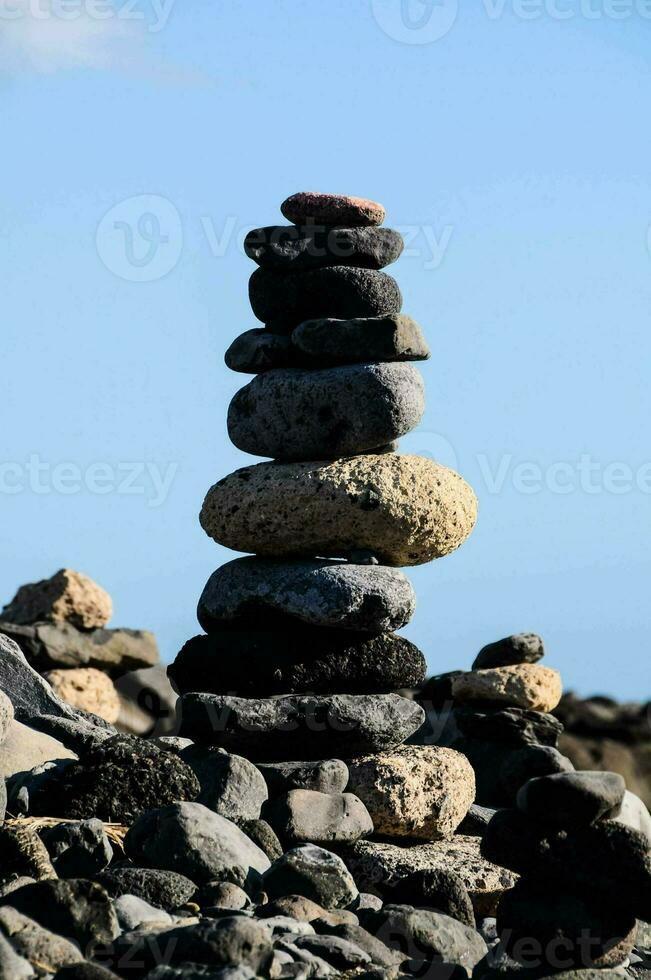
(323, 776)
(308, 207)
(267, 663)
(527, 686)
(338, 291)
(313, 872)
(304, 815)
(230, 785)
(423, 935)
(78, 909)
(46, 951)
(378, 338)
(436, 889)
(511, 725)
(6, 716)
(347, 725)
(414, 791)
(368, 598)
(258, 350)
(521, 648)
(406, 510)
(66, 597)
(87, 688)
(167, 890)
(78, 850)
(375, 866)
(295, 414)
(50, 645)
(192, 840)
(288, 248)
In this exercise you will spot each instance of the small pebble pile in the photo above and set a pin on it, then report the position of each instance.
(304, 819)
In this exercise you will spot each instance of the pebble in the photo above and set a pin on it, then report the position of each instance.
(528, 686)
(78, 850)
(230, 785)
(223, 895)
(317, 660)
(437, 889)
(521, 648)
(421, 792)
(572, 799)
(134, 912)
(340, 411)
(66, 597)
(86, 688)
(366, 598)
(307, 816)
(77, 909)
(166, 890)
(338, 291)
(379, 338)
(406, 510)
(422, 935)
(377, 865)
(323, 776)
(116, 781)
(288, 248)
(270, 729)
(313, 872)
(192, 840)
(331, 209)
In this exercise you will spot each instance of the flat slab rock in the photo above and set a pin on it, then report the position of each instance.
(323, 776)
(379, 338)
(295, 414)
(337, 291)
(292, 248)
(406, 510)
(258, 350)
(376, 865)
(368, 598)
(50, 645)
(270, 729)
(311, 660)
(66, 597)
(331, 209)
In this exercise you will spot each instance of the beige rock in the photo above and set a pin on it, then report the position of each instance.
(67, 597)
(421, 792)
(527, 686)
(87, 688)
(407, 510)
(25, 748)
(375, 865)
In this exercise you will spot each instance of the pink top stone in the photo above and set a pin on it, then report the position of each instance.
(308, 207)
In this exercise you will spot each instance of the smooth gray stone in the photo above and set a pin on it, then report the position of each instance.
(259, 350)
(13, 966)
(230, 785)
(370, 598)
(521, 648)
(294, 414)
(297, 248)
(572, 799)
(337, 291)
(307, 816)
(192, 840)
(133, 912)
(48, 646)
(341, 953)
(376, 338)
(313, 872)
(424, 935)
(271, 729)
(324, 776)
(378, 951)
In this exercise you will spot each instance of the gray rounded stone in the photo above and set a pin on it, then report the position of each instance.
(378, 338)
(521, 648)
(370, 598)
(423, 935)
(271, 729)
(324, 776)
(306, 816)
(340, 411)
(230, 785)
(313, 872)
(258, 350)
(337, 291)
(292, 248)
(571, 799)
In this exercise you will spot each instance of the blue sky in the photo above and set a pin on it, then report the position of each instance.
(510, 142)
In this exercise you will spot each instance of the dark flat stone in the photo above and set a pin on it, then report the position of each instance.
(290, 248)
(378, 338)
(331, 209)
(571, 799)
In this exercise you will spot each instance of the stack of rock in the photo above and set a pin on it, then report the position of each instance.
(60, 625)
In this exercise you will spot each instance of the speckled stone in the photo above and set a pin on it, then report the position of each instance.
(421, 792)
(521, 648)
(331, 209)
(376, 338)
(337, 291)
(258, 350)
(293, 414)
(66, 597)
(368, 598)
(289, 248)
(528, 686)
(406, 510)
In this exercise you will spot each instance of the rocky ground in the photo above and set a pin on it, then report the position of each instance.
(310, 806)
